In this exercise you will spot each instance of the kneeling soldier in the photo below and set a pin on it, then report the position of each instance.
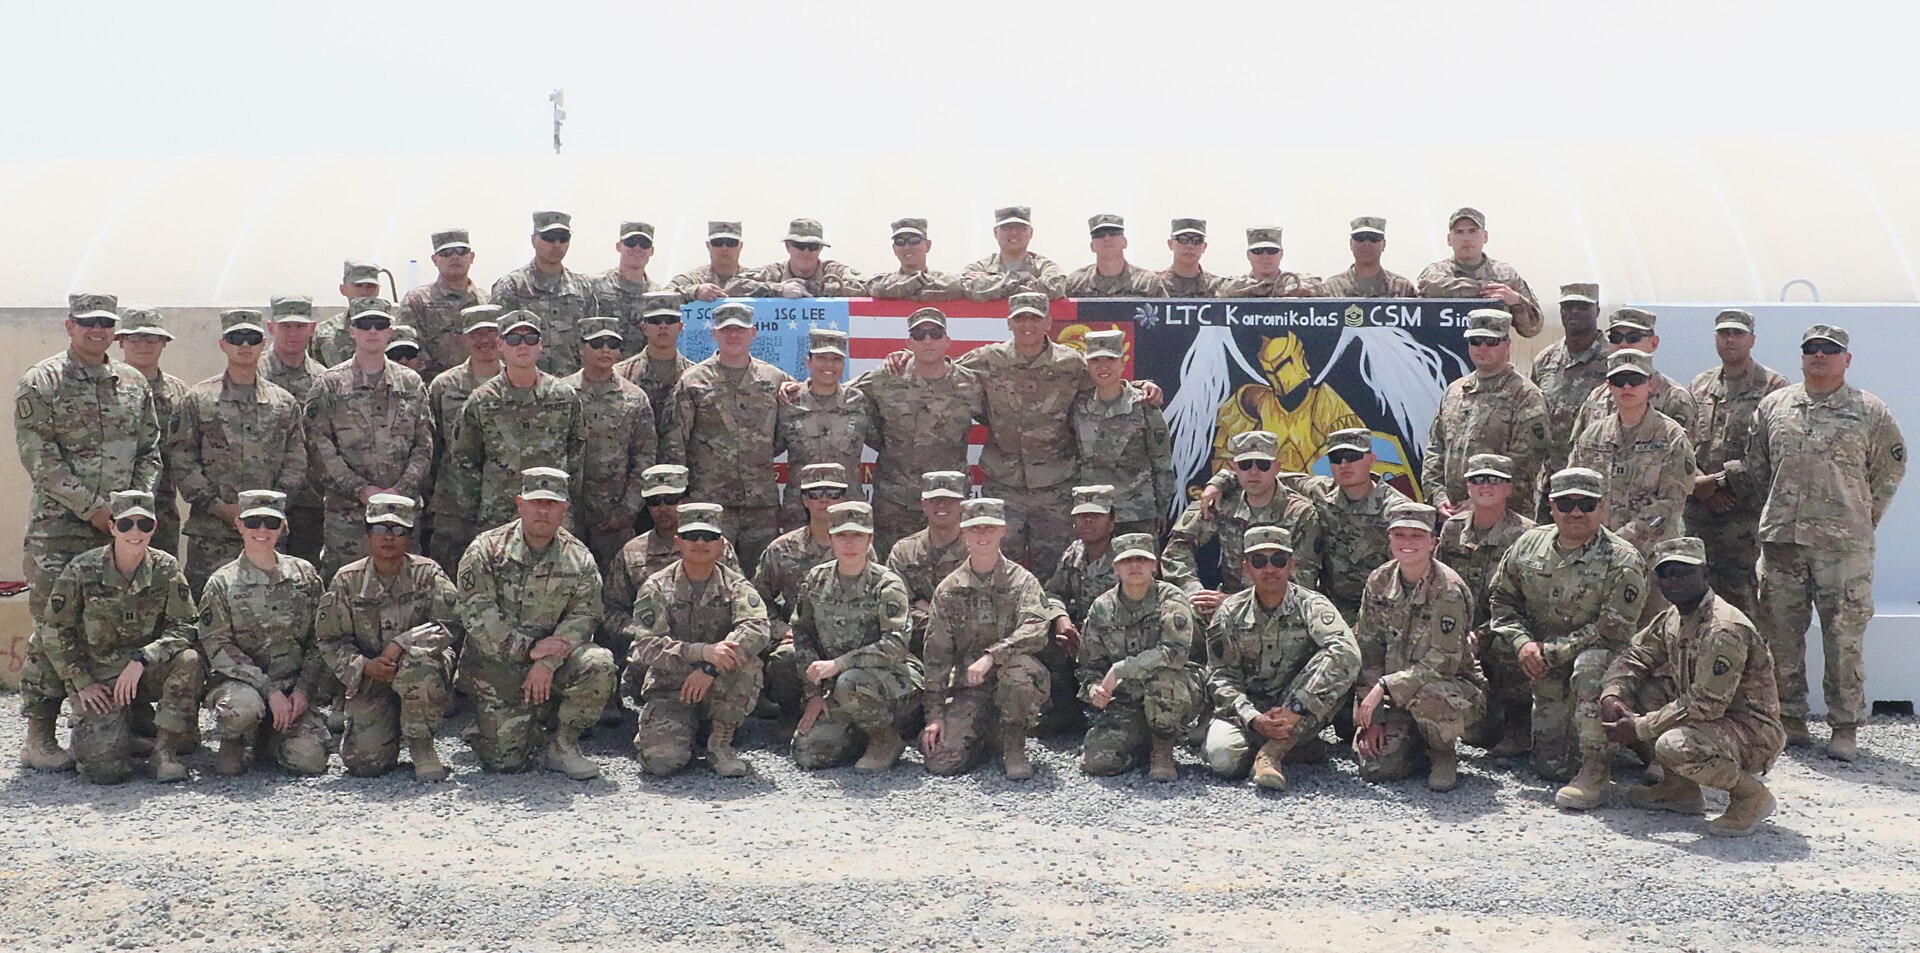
(1133, 666)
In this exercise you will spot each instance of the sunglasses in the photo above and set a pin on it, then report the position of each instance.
(1484, 341)
(95, 322)
(637, 241)
(261, 522)
(603, 343)
(1486, 479)
(519, 338)
(403, 353)
(372, 324)
(452, 252)
(674, 499)
(1585, 504)
(1263, 251)
(1100, 233)
(556, 237)
(141, 338)
(1262, 465)
(925, 333)
(724, 242)
(1628, 337)
(1262, 560)
(1626, 380)
(700, 536)
(658, 319)
(126, 524)
(1821, 347)
(1575, 307)
(805, 246)
(825, 493)
(243, 338)
(1344, 457)
(389, 529)
(904, 241)
(1190, 239)
(1368, 239)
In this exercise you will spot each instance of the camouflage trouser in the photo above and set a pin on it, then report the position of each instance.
(1230, 747)
(101, 744)
(974, 714)
(241, 714)
(50, 545)
(380, 714)
(451, 537)
(1039, 524)
(207, 553)
(669, 726)
(1733, 555)
(1795, 580)
(1715, 753)
(893, 522)
(783, 681)
(1509, 711)
(510, 735)
(1441, 711)
(1566, 714)
(1164, 706)
(863, 700)
(304, 531)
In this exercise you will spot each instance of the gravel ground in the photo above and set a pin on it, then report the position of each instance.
(786, 859)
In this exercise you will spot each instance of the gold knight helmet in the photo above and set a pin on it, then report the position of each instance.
(1284, 362)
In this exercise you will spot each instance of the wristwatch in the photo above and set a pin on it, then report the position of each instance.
(138, 655)
(708, 668)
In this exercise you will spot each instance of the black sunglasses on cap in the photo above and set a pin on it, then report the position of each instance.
(1262, 560)
(518, 338)
(603, 342)
(1262, 465)
(700, 536)
(927, 332)
(95, 322)
(126, 524)
(1674, 568)
(372, 324)
(453, 252)
(1821, 347)
(1484, 341)
(1627, 337)
(637, 241)
(556, 236)
(724, 242)
(1109, 232)
(243, 338)
(1567, 504)
(1344, 457)
(389, 529)
(261, 522)
(902, 241)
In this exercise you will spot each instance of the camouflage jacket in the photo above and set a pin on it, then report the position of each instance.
(832, 429)
(446, 397)
(256, 626)
(1666, 396)
(1386, 284)
(1450, 278)
(831, 280)
(924, 285)
(1077, 581)
(298, 381)
(1030, 438)
(1138, 639)
(369, 431)
(84, 431)
(621, 444)
(1567, 601)
(1505, 414)
(656, 378)
(1002, 612)
(97, 618)
(1474, 553)
(512, 596)
(858, 622)
(1412, 634)
(622, 300)
(332, 343)
(1722, 424)
(1353, 537)
(1721, 671)
(1286, 284)
(991, 279)
(561, 301)
(919, 425)
(1133, 282)
(169, 392)
(362, 613)
(1254, 654)
(720, 426)
(924, 566)
(433, 309)
(1649, 471)
(227, 438)
(506, 429)
(784, 566)
(640, 558)
(686, 281)
(1229, 522)
(673, 624)
(1829, 466)
(1202, 285)
(1125, 443)
(1565, 380)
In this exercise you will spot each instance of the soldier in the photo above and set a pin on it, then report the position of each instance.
(1123, 440)
(927, 557)
(287, 364)
(825, 423)
(1110, 275)
(1133, 667)
(1367, 240)
(1471, 274)
(1012, 269)
(233, 432)
(331, 344)
(1568, 370)
(1725, 398)
(709, 281)
(989, 618)
(1564, 600)
(1281, 659)
(142, 338)
(1632, 328)
(1471, 544)
(914, 281)
(84, 427)
(1085, 569)
(1265, 278)
(546, 287)
(529, 601)
(1829, 457)
(621, 441)
(118, 633)
(1419, 688)
(783, 567)
(1184, 278)
(438, 309)
(921, 416)
(804, 274)
(1698, 686)
(720, 426)
(404, 349)
(1355, 506)
(622, 290)
(1492, 410)
(522, 418)
(387, 628)
(369, 431)
(850, 641)
(256, 631)
(1256, 498)
(698, 632)
(1644, 455)
(658, 365)
(450, 533)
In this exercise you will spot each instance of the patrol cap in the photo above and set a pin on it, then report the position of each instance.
(391, 508)
(147, 321)
(852, 516)
(1413, 516)
(1367, 225)
(450, 239)
(1488, 323)
(544, 483)
(480, 317)
(1262, 538)
(1190, 226)
(1097, 498)
(823, 474)
(375, 305)
(630, 229)
(1630, 361)
(732, 314)
(663, 479)
(948, 484)
(700, 518)
(827, 341)
(262, 503)
(1254, 445)
(1582, 291)
(93, 306)
(1111, 343)
(658, 303)
(1134, 546)
(1105, 220)
(404, 335)
(909, 226)
(1576, 481)
(1357, 439)
(1691, 550)
(806, 230)
(1734, 319)
(927, 316)
(124, 503)
(356, 272)
(1473, 215)
(1490, 464)
(1632, 318)
(550, 221)
(291, 309)
(1012, 215)
(983, 511)
(519, 319)
(1027, 302)
(1263, 238)
(239, 319)
(723, 230)
(600, 327)
(1826, 332)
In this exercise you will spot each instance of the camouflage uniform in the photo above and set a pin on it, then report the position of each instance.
(230, 437)
(673, 623)
(434, 309)
(832, 429)
(1726, 412)
(625, 302)
(305, 515)
(1125, 444)
(1353, 538)
(1566, 379)
(992, 279)
(919, 426)
(923, 285)
(861, 624)
(657, 379)
(1159, 693)
(621, 444)
(256, 631)
(1283, 284)
(1350, 284)
(1648, 468)
(361, 615)
(332, 343)
(1413, 640)
(505, 429)
(446, 397)
(721, 425)
(924, 565)
(1500, 413)
(1134, 282)
(169, 392)
(1299, 655)
(1453, 278)
(1667, 395)
(646, 554)
(365, 431)
(1474, 553)
(1002, 612)
(831, 279)
(783, 567)
(1229, 521)
(1077, 581)
(561, 300)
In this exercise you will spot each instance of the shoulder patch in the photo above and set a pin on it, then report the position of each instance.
(24, 408)
(1329, 617)
(1898, 453)
(1722, 665)
(1448, 624)
(1633, 593)
(57, 603)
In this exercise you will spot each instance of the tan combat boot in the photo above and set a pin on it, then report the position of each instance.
(1444, 774)
(1511, 746)
(166, 767)
(1160, 766)
(1748, 804)
(1673, 793)
(720, 753)
(563, 755)
(41, 751)
(1843, 746)
(1589, 787)
(883, 749)
(1013, 752)
(232, 759)
(1797, 736)
(1266, 765)
(426, 760)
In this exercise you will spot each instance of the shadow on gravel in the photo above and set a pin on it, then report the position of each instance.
(1771, 844)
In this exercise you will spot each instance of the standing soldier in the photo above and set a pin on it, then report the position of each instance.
(698, 632)
(256, 631)
(290, 321)
(529, 601)
(437, 309)
(1829, 457)
(1265, 278)
(921, 416)
(1632, 328)
(1471, 274)
(782, 569)
(1471, 544)
(709, 281)
(521, 419)
(1569, 369)
(1185, 278)
(331, 343)
(659, 364)
(560, 297)
(387, 627)
(1133, 667)
(142, 338)
(1642, 453)
(449, 533)
(1255, 498)
(850, 641)
(1111, 275)
(622, 289)
(1725, 398)
(1123, 440)
(233, 432)
(927, 557)
(1012, 269)
(1367, 241)
(804, 274)
(620, 440)
(1492, 410)
(118, 633)
(826, 422)
(914, 281)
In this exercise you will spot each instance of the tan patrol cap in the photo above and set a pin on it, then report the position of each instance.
(240, 319)
(1134, 546)
(1826, 332)
(1356, 439)
(1097, 498)
(1691, 550)
(374, 306)
(1262, 538)
(1586, 291)
(1488, 323)
(827, 341)
(909, 226)
(1490, 464)
(291, 309)
(520, 319)
(731, 314)
(823, 474)
(85, 305)
(1733, 319)
(125, 503)
(356, 272)
(404, 335)
(549, 221)
(660, 303)
(938, 484)
(391, 508)
(1254, 445)
(450, 239)
(480, 317)
(600, 326)
(1189, 226)
(1105, 220)
(1110, 343)
(852, 516)
(1012, 215)
(1367, 225)
(1576, 481)
(927, 316)
(262, 503)
(1027, 302)
(148, 321)
(1629, 360)
(663, 479)
(700, 518)
(1632, 318)
(806, 231)
(1413, 516)
(723, 230)
(1263, 238)
(1473, 215)
(544, 483)
(630, 229)
(983, 511)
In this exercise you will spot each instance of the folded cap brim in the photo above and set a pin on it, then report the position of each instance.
(1189, 231)
(851, 527)
(942, 494)
(1367, 231)
(1253, 455)
(243, 326)
(553, 495)
(914, 323)
(908, 231)
(1581, 491)
(1103, 352)
(982, 521)
(603, 333)
(699, 526)
(1411, 524)
(1680, 558)
(463, 246)
(1100, 508)
(293, 319)
(1257, 245)
(626, 235)
(1482, 333)
(1268, 547)
(262, 511)
(1136, 554)
(733, 235)
(663, 491)
(1629, 325)
(1625, 369)
(841, 351)
(1026, 309)
(136, 511)
(1822, 337)
(1735, 325)
(807, 240)
(1011, 221)
(164, 333)
(394, 519)
(517, 325)
(95, 314)
(481, 326)
(1488, 471)
(1580, 298)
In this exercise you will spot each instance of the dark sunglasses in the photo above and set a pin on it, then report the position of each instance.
(603, 342)
(1576, 307)
(1262, 465)
(1585, 504)
(1368, 238)
(1626, 380)
(261, 522)
(126, 524)
(1263, 251)
(1190, 239)
(372, 324)
(1262, 560)
(556, 236)
(1821, 347)
(902, 241)
(1674, 568)
(95, 322)
(927, 333)
(452, 252)
(1100, 233)
(637, 241)
(667, 500)
(1627, 337)
(700, 536)
(403, 353)
(724, 242)
(661, 319)
(1344, 457)
(805, 246)
(1486, 479)
(243, 338)
(825, 493)
(389, 529)
(518, 338)
(1484, 341)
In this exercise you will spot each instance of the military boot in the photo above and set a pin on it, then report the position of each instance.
(1587, 788)
(1842, 746)
(1797, 736)
(1444, 774)
(1266, 765)
(563, 755)
(1511, 746)
(166, 767)
(232, 759)
(1013, 752)
(1673, 793)
(883, 749)
(612, 714)
(426, 760)
(1160, 766)
(1748, 804)
(720, 754)
(41, 751)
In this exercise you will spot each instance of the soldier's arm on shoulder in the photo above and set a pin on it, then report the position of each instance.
(751, 630)
(1527, 319)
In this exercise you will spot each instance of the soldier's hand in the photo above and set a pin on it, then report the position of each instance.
(1722, 501)
(102, 520)
(297, 702)
(1151, 392)
(1206, 601)
(1268, 724)
(822, 670)
(792, 289)
(694, 689)
(1367, 742)
(708, 291)
(1364, 708)
(1613, 709)
(613, 524)
(725, 656)
(1704, 485)
(1474, 643)
(1625, 731)
(897, 361)
(816, 706)
(538, 685)
(94, 698)
(930, 736)
(1067, 636)
(282, 709)
(128, 684)
(1532, 663)
(368, 492)
(790, 391)
(379, 669)
(1102, 694)
(1495, 289)
(1446, 509)
(226, 513)
(552, 646)
(1208, 497)
(977, 672)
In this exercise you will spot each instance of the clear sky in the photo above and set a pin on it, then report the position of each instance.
(133, 77)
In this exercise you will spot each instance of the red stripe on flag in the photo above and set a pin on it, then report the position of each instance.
(1061, 308)
(873, 349)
